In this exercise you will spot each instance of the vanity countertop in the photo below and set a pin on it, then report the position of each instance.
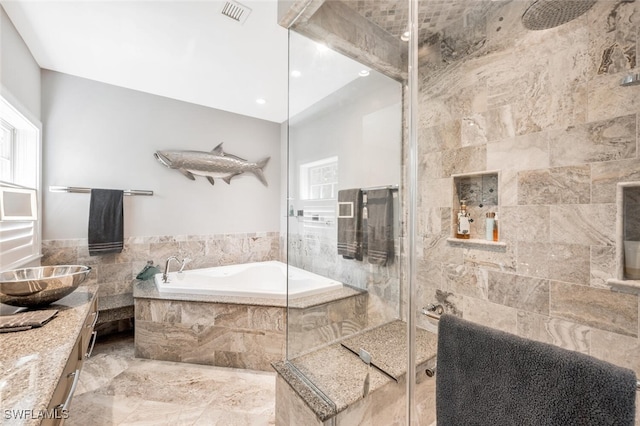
(32, 361)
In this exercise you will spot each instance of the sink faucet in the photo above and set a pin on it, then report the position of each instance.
(165, 274)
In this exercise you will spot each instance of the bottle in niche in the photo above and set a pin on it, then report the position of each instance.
(495, 228)
(490, 233)
(464, 222)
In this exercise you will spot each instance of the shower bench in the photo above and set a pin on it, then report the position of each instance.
(326, 386)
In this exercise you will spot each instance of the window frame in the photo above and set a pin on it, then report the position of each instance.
(306, 169)
(26, 150)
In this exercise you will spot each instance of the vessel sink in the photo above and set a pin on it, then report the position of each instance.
(40, 286)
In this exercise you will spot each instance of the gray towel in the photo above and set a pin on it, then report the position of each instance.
(350, 223)
(379, 226)
(489, 377)
(106, 231)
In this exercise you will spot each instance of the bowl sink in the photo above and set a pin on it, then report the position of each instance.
(40, 286)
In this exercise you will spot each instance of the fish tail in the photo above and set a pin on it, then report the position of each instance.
(258, 170)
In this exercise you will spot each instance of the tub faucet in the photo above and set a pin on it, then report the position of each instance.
(165, 274)
(184, 262)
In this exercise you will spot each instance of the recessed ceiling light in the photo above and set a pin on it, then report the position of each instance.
(363, 73)
(261, 101)
(322, 47)
(295, 73)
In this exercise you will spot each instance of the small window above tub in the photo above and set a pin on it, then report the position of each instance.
(627, 237)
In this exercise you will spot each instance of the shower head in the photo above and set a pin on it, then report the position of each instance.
(545, 14)
(631, 80)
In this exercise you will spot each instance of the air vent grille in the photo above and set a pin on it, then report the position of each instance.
(236, 11)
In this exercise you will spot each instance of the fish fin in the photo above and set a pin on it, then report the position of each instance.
(258, 170)
(235, 157)
(187, 173)
(211, 181)
(220, 152)
(218, 149)
(228, 178)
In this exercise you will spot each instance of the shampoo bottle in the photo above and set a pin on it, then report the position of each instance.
(464, 222)
(495, 228)
(490, 227)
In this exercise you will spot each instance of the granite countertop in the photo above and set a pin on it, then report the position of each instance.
(148, 290)
(32, 361)
(339, 373)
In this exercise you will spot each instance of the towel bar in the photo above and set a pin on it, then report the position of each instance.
(371, 188)
(77, 189)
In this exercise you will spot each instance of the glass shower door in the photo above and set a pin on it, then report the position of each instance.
(344, 228)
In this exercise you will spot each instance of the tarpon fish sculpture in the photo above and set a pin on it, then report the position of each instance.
(213, 165)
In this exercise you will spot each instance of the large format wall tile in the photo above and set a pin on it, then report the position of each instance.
(490, 314)
(605, 177)
(606, 140)
(617, 349)
(589, 224)
(523, 293)
(561, 185)
(555, 331)
(524, 152)
(598, 308)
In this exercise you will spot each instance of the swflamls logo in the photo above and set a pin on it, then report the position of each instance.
(51, 413)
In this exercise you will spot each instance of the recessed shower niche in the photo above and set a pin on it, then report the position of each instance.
(628, 231)
(475, 204)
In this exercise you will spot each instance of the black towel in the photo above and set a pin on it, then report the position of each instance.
(489, 377)
(379, 226)
(350, 223)
(106, 230)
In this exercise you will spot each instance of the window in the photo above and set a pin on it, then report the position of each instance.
(318, 193)
(319, 180)
(6, 151)
(19, 188)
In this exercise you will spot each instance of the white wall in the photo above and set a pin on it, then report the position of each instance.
(102, 136)
(361, 124)
(19, 72)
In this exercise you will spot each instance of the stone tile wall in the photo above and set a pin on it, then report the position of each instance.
(382, 283)
(546, 110)
(221, 334)
(115, 273)
(309, 328)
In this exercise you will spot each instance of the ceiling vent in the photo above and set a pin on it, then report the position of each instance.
(236, 11)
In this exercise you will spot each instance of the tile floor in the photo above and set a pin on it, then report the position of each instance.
(115, 388)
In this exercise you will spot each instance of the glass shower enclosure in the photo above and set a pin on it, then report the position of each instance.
(501, 107)
(346, 221)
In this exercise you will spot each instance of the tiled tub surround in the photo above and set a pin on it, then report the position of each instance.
(232, 331)
(115, 273)
(545, 109)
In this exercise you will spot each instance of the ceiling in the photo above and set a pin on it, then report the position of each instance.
(188, 50)
(185, 50)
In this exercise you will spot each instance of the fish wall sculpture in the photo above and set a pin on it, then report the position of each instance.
(213, 165)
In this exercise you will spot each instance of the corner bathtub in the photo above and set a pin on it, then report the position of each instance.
(259, 279)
